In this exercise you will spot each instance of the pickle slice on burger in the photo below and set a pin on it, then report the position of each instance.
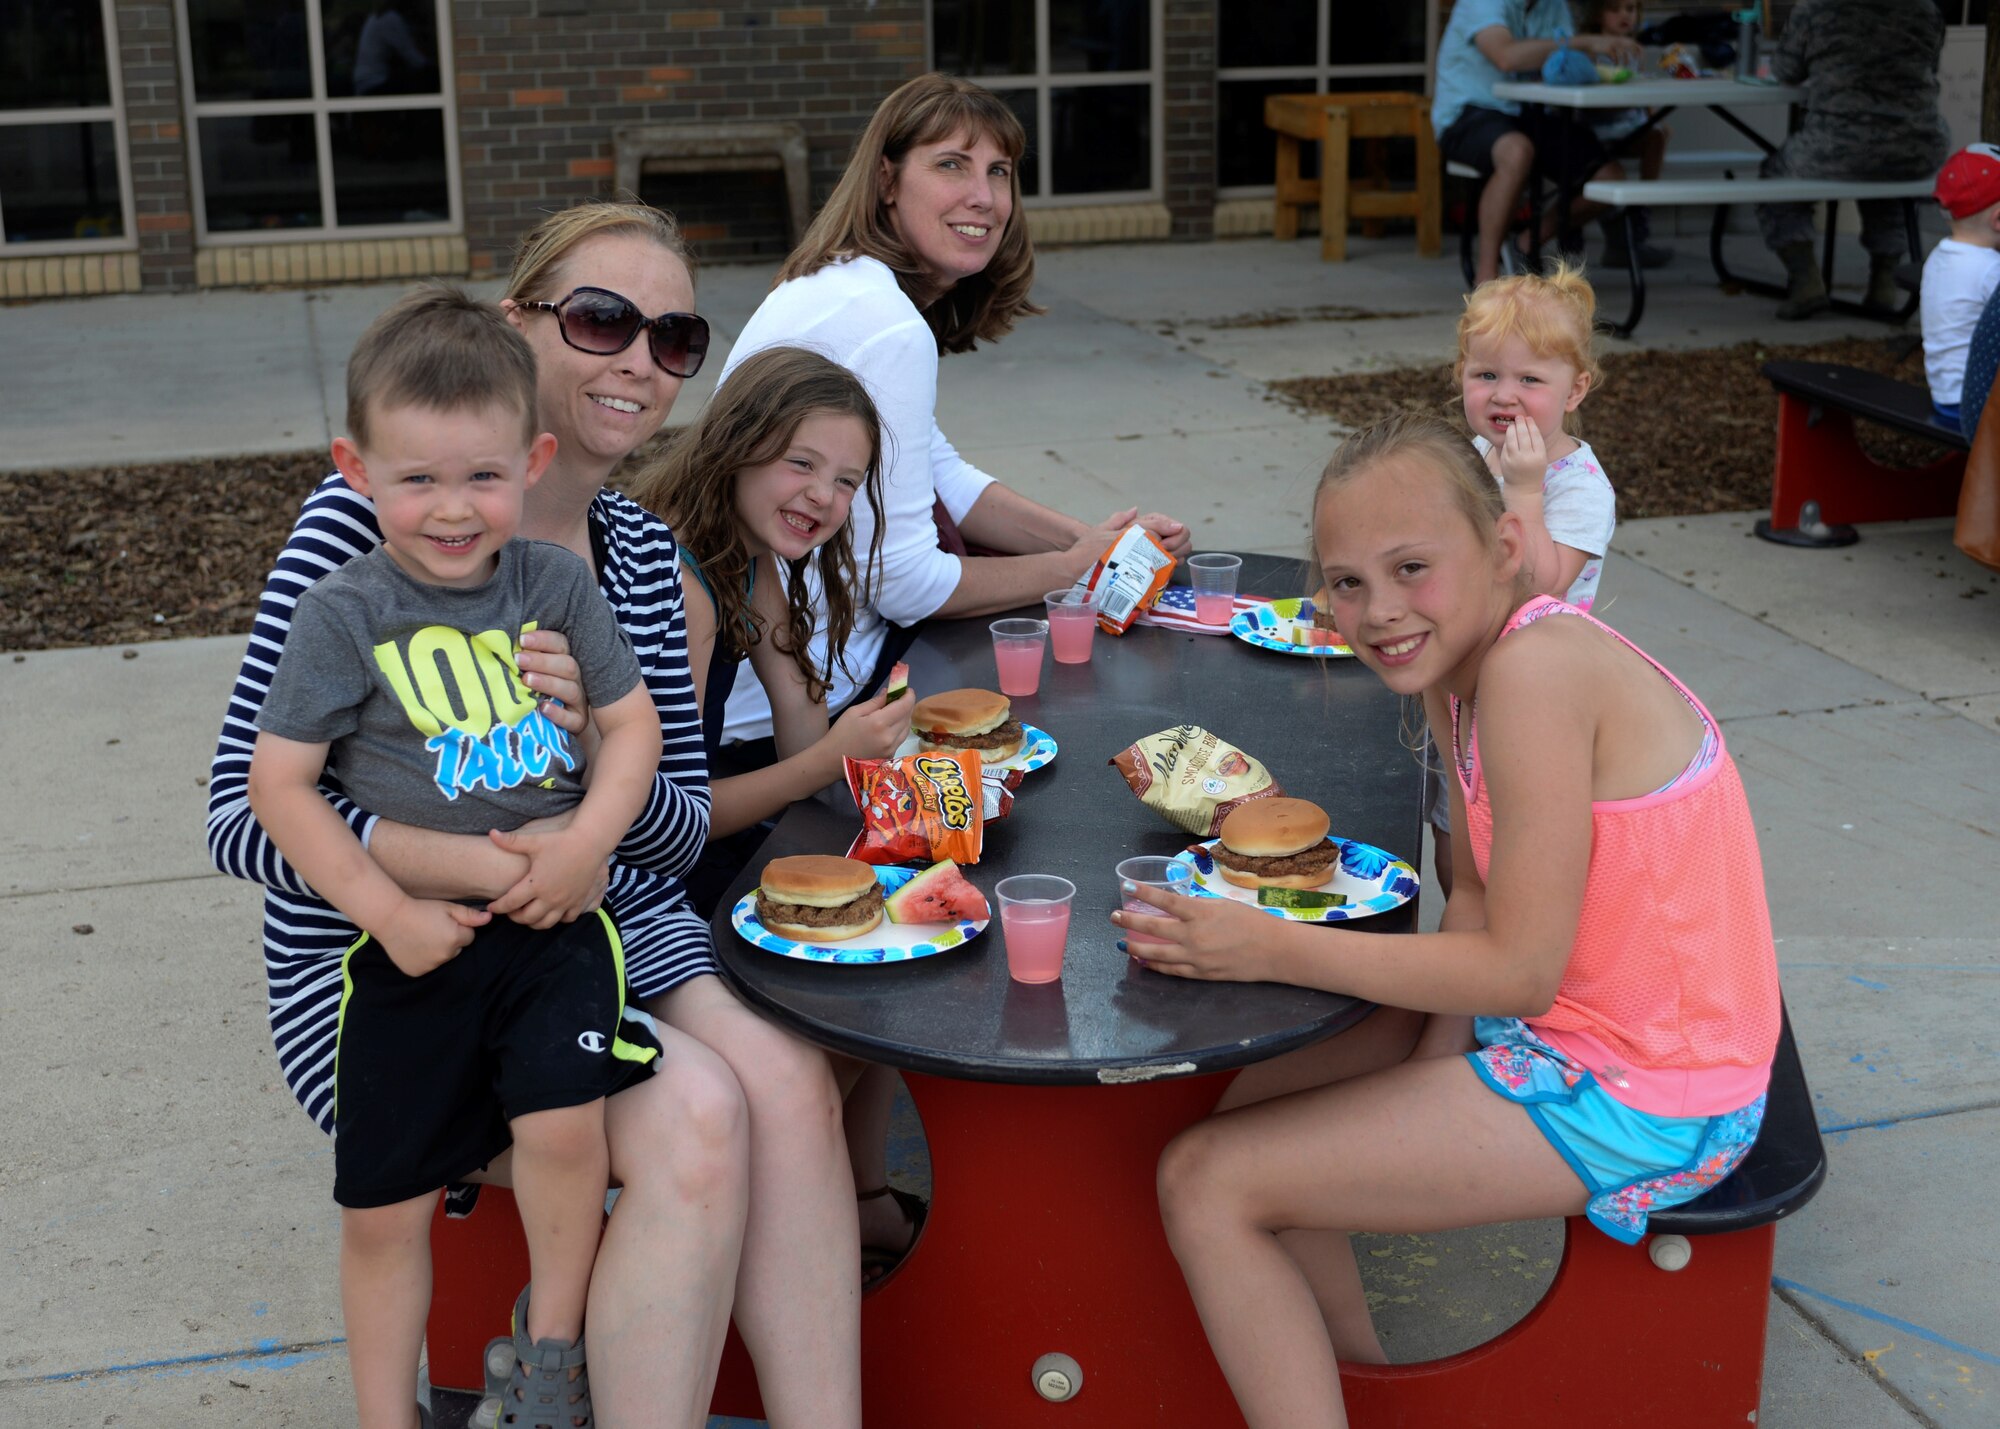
(968, 719)
(812, 898)
(1276, 843)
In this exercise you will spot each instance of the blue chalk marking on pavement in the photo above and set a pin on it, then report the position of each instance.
(1888, 1121)
(259, 1309)
(1892, 1321)
(263, 1354)
(1878, 986)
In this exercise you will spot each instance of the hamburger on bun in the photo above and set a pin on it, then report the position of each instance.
(816, 899)
(968, 719)
(1276, 843)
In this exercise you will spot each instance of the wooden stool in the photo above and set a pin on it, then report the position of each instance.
(1330, 120)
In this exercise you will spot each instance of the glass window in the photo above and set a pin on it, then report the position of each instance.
(1103, 138)
(388, 166)
(379, 47)
(260, 171)
(1097, 36)
(249, 49)
(60, 181)
(1377, 34)
(363, 143)
(52, 55)
(975, 37)
(1276, 32)
(1083, 76)
(65, 182)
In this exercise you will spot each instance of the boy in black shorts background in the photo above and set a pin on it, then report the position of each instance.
(460, 1034)
(1486, 41)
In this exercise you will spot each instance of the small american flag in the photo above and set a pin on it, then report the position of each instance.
(1175, 610)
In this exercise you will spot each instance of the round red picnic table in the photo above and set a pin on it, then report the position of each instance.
(1045, 1107)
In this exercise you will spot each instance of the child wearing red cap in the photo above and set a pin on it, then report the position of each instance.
(1962, 271)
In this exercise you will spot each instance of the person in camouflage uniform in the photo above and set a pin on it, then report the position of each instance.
(1872, 113)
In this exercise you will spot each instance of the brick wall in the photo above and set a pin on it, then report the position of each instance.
(161, 191)
(543, 82)
(1189, 105)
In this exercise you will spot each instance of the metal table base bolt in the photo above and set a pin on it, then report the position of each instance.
(1670, 1252)
(1057, 1377)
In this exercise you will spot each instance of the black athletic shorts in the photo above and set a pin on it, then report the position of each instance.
(429, 1070)
(1568, 152)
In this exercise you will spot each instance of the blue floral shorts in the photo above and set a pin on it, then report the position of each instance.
(1631, 1162)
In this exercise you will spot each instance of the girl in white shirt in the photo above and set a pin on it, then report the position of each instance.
(922, 251)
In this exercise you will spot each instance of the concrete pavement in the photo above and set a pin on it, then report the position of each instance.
(165, 1208)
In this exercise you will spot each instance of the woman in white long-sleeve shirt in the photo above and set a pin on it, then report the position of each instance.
(922, 251)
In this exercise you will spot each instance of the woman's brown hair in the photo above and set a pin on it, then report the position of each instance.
(548, 245)
(751, 420)
(855, 222)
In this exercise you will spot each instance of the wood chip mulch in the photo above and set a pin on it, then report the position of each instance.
(117, 555)
(1679, 433)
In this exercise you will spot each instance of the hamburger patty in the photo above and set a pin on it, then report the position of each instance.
(1008, 733)
(771, 910)
(1321, 855)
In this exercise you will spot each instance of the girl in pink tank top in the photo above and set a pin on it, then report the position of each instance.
(1591, 1029)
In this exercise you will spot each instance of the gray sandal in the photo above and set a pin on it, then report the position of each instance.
(536, 1390)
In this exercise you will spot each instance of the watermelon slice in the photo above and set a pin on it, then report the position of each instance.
(899, 681)
(940, 894)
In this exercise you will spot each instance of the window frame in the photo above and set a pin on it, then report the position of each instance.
(320, 106)
(114, 114)
(1319, 75)
(1043, 80)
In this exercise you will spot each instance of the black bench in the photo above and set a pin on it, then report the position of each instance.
(1824, 482)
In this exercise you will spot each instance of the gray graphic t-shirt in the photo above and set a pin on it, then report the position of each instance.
(416, 688)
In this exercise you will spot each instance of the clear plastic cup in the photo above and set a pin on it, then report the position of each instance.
(1072, 624)
(1034, 924)
(1017, 650)
(1163, 875)
(1213, 577)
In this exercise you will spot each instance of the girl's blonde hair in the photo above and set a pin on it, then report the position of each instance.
(548, 245)
(751, 420)
(855, 223)
(1429, 439)
(1556, 316)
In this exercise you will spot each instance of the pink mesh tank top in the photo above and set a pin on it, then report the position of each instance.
(1671, 992)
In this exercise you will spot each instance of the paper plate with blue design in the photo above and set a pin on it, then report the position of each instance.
(1371, 880)
(1038, 747)
(886, 942)
(1283, 625)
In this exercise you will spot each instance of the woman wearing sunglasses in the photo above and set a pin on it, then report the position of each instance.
(922, 250)
(736, 1186)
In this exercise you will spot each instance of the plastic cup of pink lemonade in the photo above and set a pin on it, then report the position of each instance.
(1213, 577)
(1034, 924)
(1161, 875)
(1072, 624)
(1017, 650)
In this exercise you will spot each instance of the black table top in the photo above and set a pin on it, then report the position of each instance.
(1328, 731)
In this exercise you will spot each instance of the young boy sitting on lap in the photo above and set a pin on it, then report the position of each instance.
(1962, 271)
(1491, 40)
(460, 1034)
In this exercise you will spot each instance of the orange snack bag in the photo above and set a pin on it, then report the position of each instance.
(1128, 578)
(919, 808)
